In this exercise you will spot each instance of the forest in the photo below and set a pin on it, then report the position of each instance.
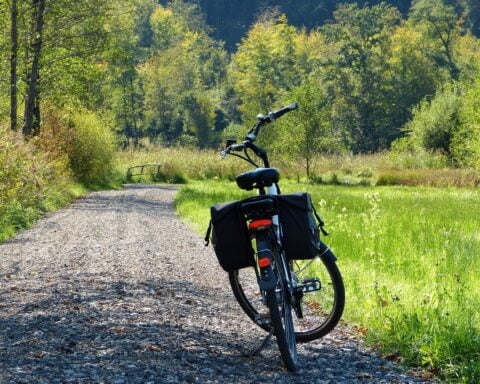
(367, 76)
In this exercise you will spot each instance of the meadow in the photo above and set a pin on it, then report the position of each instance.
(409, 257)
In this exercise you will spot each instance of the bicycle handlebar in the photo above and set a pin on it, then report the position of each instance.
(253, 132)
(264, 120)
(232, 147)
(282, 111)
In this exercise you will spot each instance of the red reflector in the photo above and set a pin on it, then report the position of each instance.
(259, 223)
(263, 262)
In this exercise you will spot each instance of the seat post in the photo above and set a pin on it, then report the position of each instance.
(261, 190)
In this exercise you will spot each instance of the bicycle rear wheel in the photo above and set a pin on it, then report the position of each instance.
(322, 309)
(282, 322)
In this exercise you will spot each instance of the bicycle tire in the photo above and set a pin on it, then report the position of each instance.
(283, 329)
(243, 281)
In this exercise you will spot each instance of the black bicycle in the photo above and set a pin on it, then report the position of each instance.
(284, 278)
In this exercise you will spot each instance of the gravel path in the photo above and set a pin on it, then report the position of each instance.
(116, 289)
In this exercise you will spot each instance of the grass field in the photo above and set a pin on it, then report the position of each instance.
(409, 256)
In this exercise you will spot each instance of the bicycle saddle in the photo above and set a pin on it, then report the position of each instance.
(259, 178)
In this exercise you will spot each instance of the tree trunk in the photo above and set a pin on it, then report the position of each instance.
(13, 64)
(32, 86)
(36, 116)
(126, 123)
(134, 111)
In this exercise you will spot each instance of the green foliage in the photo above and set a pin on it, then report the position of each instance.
(434, 122)
(91, 149)
(362, 85)
(232, 19)
(31, 182)
(182, 79)
(449, 124)
(263, 68)
(466, 142)
(308, 132)
(439, 22)
(166, 28)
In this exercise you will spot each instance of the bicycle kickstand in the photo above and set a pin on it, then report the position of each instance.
(260, 346)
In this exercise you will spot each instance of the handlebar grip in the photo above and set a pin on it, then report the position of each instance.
(282, 111)
(230, 148)
(237, 147)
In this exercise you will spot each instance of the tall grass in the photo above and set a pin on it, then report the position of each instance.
(181, 164)
(409, 257)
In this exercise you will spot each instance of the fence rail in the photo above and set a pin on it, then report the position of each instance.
(142, 169)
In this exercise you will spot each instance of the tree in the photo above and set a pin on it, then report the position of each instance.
(309, 132)
(359, 74)
(57, 41)
(438, 21)
(434, 122)
(183, 79)
(13, 63)
(128, 46)
(414, 75)
(34, 72)
(263, 69)
(472, 15)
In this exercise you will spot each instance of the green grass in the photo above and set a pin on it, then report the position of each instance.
(409, 256)
(18, 216)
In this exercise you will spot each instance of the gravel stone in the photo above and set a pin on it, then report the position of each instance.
(116, 289)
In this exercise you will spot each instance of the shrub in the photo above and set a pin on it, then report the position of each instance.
(434, 122)
(448, 126)
(31, 181)
(92, 148)
(466, 143)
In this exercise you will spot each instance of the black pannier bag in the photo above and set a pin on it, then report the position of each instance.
(300, 229)
(230, 237)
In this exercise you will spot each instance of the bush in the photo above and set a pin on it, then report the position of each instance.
(31, 181)
(91, 149)
(449, 125)
(466, 143)
(434, 122)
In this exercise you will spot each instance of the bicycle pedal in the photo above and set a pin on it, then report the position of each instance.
(263, 320)
(311, 285)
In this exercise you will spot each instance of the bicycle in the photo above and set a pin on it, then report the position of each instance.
(299, 284)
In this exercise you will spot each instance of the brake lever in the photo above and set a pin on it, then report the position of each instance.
(230, 148)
